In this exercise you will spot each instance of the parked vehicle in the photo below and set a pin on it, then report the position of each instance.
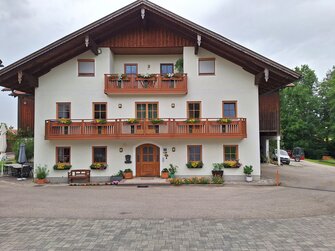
(298, 154)
(284, 157)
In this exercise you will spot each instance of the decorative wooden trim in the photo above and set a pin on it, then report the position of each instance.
(224, 150)
(206, 73)
(146, 108)
(188, 152)
(93, 153)
(131, 64)
(57, 109)
(57, 159)
(160, 67)
(86, 74)
(99, 103)
(229, 102)
(187, 108)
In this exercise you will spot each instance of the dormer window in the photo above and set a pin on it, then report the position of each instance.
(86, 67)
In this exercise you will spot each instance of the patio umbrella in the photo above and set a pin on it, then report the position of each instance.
(3, 144)
(22, 157)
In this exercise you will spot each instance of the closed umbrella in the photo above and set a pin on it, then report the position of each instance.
(22, 157)
(3, 144)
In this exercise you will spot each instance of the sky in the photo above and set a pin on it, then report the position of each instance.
(290, 32)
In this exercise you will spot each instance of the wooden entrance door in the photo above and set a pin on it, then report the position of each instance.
(147, 161)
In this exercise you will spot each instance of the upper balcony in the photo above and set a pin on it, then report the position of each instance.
(160, 129)
(145, 84)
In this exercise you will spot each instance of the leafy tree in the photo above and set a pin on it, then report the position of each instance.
(300, 119)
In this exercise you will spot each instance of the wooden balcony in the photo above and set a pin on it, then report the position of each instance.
(157, 84)
(167, 129)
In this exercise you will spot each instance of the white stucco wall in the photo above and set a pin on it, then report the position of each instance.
(230, 82)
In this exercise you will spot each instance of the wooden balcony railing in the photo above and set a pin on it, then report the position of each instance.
(122, 129)
(157, 84)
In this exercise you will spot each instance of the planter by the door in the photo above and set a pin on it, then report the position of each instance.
(116, 178)
(217, 173)
(128, 175)
(41, 181)
(248, 178)
(165, 175)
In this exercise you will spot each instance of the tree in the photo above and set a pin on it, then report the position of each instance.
(300, 119)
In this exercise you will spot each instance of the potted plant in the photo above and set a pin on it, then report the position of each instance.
(113, 77)
(128, 173)
(165, 173)
(117, 177)
(100, 121)
(224, 121)
(64, 121)
(192, 121)
(194, 164)
(231, 164)
(157, 121)
(217, 169)
(62, 166)
(172, 171)
(41, 174)
(132, 121)
(98, 166)
(247, 171)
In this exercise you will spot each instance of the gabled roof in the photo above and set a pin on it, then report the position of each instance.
(43, 60)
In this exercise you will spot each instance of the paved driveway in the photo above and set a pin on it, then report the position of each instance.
(303, 174)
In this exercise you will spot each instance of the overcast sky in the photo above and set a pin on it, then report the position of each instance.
(291, 32)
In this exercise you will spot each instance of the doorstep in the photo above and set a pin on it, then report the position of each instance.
(144, 181)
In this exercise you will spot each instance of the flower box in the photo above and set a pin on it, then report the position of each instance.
(194, 164)
(98, 166)
(62, 166)
(231, 164)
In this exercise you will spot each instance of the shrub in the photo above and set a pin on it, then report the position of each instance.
(203, 180)
(176, 181)
(217, 180)
(218, 166)
(42, 172)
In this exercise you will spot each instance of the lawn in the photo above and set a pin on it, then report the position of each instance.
(330, 162)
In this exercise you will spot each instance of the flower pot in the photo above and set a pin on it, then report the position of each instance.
(40, 181)
(128, 175)
(217, 173)
(248, 178)
(165, 175)
(116, 178)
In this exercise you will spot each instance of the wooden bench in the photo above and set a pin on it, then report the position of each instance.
(79, 174)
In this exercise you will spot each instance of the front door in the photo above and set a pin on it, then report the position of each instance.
(147, 161)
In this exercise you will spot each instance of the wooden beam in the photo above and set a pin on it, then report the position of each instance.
(259, 78)
(196, 49)
(90, 43)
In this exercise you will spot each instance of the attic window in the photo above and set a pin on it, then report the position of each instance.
(86, 67)
(206, 66)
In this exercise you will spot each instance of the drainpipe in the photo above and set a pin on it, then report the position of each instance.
(278, 149)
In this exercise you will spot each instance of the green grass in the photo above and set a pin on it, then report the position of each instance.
(330, 162)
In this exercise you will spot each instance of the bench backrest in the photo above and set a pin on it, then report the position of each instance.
(79, 172)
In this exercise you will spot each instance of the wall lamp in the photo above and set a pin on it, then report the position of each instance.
(173, 149)
(173, 105)
(120, 149)
(119, 105)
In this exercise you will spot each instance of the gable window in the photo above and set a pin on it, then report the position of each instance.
(229, 109)
(63, 110)
(63, 155)
(230, 152)
(206, 66)
(194, 110)
(100, 110)
(99, 154)
(194, 153)
(86, 67)
(166, 69)
(146, 110)
(130, 69)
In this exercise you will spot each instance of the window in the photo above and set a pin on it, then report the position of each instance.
(99, 154)
(63, 155)
(146, 110)
(86, 67)
(230, 153)
(193, 110)
(194, 153)
(206, 66)
(130, 69)
(100, 110)
(63, 110)
(166, 68)
(229, 109)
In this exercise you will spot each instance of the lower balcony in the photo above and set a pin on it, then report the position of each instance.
(133, 129)
(153, 84)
